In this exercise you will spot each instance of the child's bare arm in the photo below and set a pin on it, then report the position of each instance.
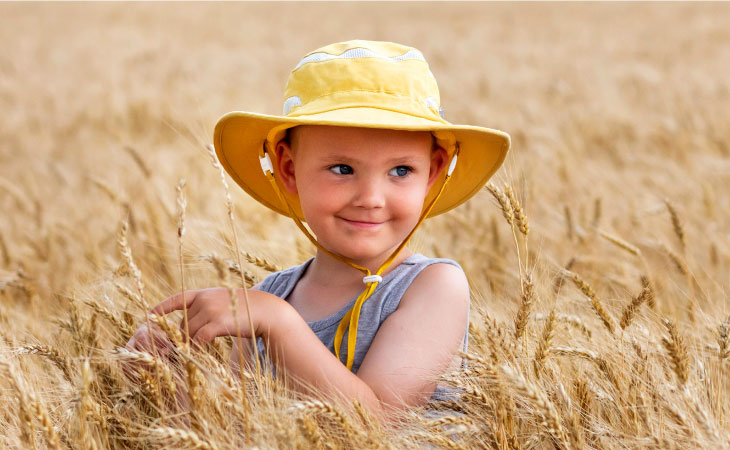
(420, 339)
(413, 345)
(416, 343)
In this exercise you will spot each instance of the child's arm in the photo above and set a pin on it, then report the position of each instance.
(416, 343)
(413, 346)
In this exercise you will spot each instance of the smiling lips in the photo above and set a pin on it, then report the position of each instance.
(362, 224)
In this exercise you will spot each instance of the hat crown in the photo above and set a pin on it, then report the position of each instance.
(363, 74)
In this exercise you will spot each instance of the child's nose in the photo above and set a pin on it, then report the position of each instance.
(370, 194)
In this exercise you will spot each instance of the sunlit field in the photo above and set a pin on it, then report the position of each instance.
(598, 259)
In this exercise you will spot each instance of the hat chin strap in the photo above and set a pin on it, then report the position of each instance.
(350, 320)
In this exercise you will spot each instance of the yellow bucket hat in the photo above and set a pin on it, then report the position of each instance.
(358, 84)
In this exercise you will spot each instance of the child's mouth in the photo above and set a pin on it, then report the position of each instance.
(361, 224)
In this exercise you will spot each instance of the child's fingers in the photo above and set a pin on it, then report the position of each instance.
(175, 302)
(207, 333)
(146, 339)
(195, 323)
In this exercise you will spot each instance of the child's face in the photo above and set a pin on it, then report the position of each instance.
(361, 190)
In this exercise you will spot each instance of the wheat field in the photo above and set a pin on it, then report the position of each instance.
(599, 258)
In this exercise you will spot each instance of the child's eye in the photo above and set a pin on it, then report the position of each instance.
(341, 169)
(400, 171)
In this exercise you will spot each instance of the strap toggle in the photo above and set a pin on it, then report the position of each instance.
(452, 166)
(372, 279)
(266, 165)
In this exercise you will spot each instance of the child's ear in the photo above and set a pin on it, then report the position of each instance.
(285, 166)
(439, 158)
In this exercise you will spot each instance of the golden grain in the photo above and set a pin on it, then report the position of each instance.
(523, 313)
(677, 351)
(261, 262)
(676, 223)
(620, 243)
(52, 354)
(631, 308)
(544, 345)
(503, 201)
(586, 289)
(519, 213)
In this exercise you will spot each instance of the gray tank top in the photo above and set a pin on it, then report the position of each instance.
(381, 304)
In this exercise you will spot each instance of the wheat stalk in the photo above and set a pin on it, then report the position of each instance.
(7, 257)
(520, 217)
(27, 428)
(568, 222)
(51, 353)
(620, 243)
(523, 314)
(504, 203)
(631, 308)
(108, 315)
(311, 431)
(86, 407)
(543, 346)
(180, 436)
(146, 171)
(129, 264)
(676, 223)
(677, 351)
(182, 204)
(261, 262)
(569, 319)
(597, 212)
(543, 405)
(650, 299)
(586, 289)
(229, 208)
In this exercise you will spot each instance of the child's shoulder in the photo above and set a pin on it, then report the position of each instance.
(282, 282)
(436, 273)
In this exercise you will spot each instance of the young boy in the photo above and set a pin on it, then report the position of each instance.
(363, 155)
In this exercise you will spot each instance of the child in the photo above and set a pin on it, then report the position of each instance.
(363, 155)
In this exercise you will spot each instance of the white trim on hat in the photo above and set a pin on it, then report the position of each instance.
(359, 53)
(291, 102)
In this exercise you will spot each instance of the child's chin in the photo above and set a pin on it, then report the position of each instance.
(366, 254)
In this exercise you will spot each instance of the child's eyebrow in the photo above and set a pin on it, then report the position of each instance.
(348, 159)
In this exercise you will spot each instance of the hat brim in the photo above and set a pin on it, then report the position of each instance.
(239, 137)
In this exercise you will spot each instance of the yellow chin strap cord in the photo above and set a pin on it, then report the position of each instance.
(350, 320)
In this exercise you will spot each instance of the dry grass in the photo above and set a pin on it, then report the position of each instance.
(618, 114)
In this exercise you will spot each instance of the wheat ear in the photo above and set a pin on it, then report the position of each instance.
(632, 307)
(543, 347)
(676, 223)
(620, 243)
(51, 353)
(586, 289)
(523, 314)
(261, 262)
(677, 351)
(520, 216)
(544, 406)
(27, 428)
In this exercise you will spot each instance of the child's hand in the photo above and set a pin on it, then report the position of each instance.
(210, 316)
(147, 339)
(151, 340)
